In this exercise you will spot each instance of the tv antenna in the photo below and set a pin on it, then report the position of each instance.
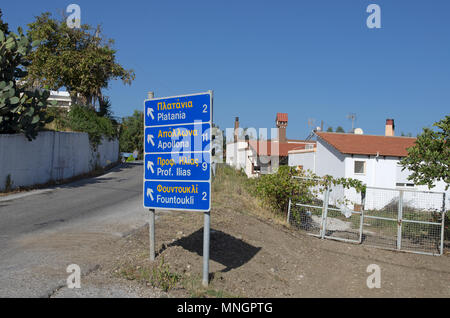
(311, 122)
(352, 117)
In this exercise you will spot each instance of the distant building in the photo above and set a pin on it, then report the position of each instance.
(259, 157)
(62, 99)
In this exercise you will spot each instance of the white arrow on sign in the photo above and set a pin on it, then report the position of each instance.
(150, 194)
(150, 166)
(150, 140)
(150, 113)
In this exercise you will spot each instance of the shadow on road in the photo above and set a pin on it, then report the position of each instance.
(224, 248)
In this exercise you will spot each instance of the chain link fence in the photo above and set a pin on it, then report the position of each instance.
(396, 219)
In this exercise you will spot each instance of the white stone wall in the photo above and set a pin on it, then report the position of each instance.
(52, 156)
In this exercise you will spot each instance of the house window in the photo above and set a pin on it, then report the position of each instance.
(360, 167)
(405, 185)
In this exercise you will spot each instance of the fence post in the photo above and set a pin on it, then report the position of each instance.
(361, 225)
(443, 225)
(325, 212)
(400, 221)
(289, 212)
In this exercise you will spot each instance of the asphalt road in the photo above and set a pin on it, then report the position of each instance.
(44, 231)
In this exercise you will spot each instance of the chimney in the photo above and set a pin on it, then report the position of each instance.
(282, 123)
(236, 130)
(390, 128)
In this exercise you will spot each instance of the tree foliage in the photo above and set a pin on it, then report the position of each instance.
(340, 130)
(429, 158)
(132, 133)
(3, 26)
(21, 110)
(83, 119)
(81, 60)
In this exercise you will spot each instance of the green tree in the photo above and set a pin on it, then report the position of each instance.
(21, 110)
(3, 26)
(340, 130)
(330, 129)
(81, 60)
(429, 158)
(132, 133)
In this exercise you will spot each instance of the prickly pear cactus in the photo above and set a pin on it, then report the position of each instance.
(21, 111)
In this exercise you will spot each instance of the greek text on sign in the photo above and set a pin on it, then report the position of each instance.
(178, 110)
(178, 166)
(187, 138)
(173, 195)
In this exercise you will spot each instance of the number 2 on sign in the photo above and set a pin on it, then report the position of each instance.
(204, 196)
(205, 109)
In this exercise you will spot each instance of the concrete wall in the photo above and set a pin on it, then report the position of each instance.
(52, 156)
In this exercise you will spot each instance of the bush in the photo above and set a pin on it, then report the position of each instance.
(21, 110)
(276, 189)
(84, 119)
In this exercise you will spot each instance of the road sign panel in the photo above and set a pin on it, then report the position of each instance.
(186, 138)
(178, 166)
(178, 110)
(177, 195)
(177, 150)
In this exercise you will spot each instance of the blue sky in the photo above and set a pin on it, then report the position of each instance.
(312, 58)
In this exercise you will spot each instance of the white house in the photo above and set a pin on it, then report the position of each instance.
(62, 99)
(259, 157)
(374, 160)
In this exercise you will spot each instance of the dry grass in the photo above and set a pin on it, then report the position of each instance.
(230, 188)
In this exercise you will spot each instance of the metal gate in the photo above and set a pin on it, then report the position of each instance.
(396, 219)
(404, 220)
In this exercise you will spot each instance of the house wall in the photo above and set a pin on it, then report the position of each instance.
(236, 154)
(51, 156)
(305, 159)
(386, 172)
(329, 161)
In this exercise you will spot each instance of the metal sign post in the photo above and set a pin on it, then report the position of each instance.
(206, 240)
(151, 224)
(177, 159)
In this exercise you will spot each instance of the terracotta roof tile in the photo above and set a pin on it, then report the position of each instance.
(368, 144)
(281, 149)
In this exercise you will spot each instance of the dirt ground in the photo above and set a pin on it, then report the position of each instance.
(255, 256)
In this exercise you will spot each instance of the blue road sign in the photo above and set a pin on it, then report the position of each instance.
(177, 150)
(178, 195)
(179, 166)
(178, 110)
(186, 138)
